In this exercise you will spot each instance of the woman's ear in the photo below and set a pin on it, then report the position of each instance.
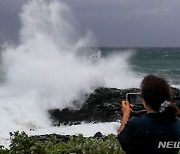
(147, 107)
(144, 104)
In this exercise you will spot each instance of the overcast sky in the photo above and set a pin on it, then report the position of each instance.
(115, 23)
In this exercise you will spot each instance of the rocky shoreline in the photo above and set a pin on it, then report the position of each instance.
(66, 138)
(103, 105)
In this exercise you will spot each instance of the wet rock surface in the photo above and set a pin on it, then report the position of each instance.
(66, 138)
(103, 105)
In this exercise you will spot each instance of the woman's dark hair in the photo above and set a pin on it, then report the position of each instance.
(155, 91)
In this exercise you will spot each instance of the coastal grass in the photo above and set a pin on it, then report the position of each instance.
(21, 143)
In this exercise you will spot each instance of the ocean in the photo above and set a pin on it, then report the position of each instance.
(52, 66)
(31, 84)
(159, 61)
(164, 62)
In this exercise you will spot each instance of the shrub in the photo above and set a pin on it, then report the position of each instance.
(21, 143)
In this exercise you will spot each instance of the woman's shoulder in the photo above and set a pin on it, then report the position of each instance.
(145, 118)
(139, 123)
(151, 122)
(152, 117)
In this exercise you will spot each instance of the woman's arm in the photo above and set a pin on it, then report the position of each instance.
(126, 109)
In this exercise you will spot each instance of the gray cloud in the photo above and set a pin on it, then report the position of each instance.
(132, 22)
(9, 19)
(114, 23)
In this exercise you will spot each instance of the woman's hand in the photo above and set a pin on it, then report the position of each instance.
(126, 109)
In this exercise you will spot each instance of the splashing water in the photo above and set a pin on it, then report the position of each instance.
(45, 70)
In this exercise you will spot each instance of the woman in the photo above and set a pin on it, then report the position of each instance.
(150, 132)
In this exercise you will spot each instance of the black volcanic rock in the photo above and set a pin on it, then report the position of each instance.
(103, 105)
(66, 138)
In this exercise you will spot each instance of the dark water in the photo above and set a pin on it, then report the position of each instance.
(159, 61)
(143, 61)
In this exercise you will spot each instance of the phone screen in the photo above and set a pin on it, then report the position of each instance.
(134, 98)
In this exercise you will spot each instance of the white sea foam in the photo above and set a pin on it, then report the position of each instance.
(45, 70)
(86, 129)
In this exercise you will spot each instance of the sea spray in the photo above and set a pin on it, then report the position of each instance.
(46, 71)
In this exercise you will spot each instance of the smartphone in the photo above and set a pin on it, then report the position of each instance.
(134, 98)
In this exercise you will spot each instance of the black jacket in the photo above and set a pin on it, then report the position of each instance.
(143, 134)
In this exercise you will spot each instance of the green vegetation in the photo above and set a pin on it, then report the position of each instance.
(21, 143)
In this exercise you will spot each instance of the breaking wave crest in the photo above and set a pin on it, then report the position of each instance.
(50, 68)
